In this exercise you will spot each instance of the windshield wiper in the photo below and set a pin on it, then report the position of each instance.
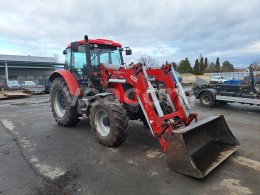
(96, 55)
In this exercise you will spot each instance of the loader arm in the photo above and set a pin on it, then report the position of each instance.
(161, 125)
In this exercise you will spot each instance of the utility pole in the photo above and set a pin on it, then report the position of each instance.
(6, 71)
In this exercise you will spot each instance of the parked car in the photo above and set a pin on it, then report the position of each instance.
(217, 79)
(3, 86)
(13, 84)
(33, 87)
(46, 83)
(28, 83)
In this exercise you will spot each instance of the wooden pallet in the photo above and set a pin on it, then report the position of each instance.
(14, 94)
(3, 97)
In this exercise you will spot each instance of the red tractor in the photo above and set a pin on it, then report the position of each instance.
(98, 84)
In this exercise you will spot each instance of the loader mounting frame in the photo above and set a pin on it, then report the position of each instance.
(138, 76)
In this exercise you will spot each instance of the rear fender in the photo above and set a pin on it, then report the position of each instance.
(70, 79)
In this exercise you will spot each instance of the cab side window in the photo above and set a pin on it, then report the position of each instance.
(75, 61)
(79, 60)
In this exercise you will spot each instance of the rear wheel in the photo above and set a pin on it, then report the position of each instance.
(207, 99)
(63, 109)
(108, 121)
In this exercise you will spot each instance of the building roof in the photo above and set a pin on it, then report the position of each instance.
(17, 61)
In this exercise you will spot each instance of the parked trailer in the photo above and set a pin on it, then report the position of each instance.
(238, 100)
(210, 96)
(248, 93)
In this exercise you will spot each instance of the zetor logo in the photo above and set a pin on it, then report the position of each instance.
(108, 43)
(133, 78)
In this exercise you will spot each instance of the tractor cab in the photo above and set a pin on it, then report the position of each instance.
(83, 58)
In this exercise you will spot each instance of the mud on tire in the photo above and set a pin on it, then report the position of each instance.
(108, 121)
(62, 106)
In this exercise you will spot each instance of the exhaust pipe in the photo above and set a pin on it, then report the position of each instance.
(199, 148)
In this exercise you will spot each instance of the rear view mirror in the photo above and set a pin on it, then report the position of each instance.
(128, 52)
(64, 52)
(74, 46)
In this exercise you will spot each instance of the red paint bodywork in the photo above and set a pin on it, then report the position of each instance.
(99, 42)
(71, 81)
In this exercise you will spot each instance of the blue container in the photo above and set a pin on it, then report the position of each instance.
(232, 82)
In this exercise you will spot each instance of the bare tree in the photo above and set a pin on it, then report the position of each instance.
(148, 61)
(256, 65)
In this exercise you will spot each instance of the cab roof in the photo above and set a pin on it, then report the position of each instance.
(99, 42)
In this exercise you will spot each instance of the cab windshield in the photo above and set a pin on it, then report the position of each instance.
(105, 55)
(99, 54)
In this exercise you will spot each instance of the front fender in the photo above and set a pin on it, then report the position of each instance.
(70, 79)
(99, 95)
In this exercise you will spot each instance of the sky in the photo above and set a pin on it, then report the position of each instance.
(167, 30)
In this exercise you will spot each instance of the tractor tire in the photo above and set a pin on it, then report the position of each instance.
(64, 112)
(207, 99)
(166, 105)
(166, 108)
(109, 121)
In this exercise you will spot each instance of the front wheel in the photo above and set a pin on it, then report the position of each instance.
(207, 99)
(64, 112)
(108, 121)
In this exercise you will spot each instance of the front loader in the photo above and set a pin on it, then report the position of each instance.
(98, 84)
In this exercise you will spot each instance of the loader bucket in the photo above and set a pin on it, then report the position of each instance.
(198, 148)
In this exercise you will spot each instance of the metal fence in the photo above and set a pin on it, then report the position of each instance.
(229, 75)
